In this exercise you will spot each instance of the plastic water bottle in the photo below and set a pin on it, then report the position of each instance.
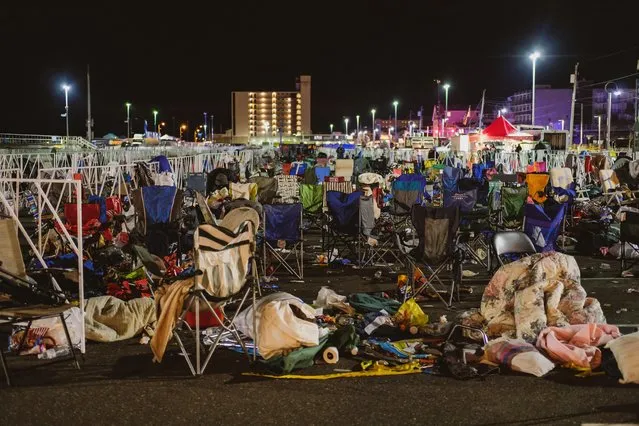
(54, 353)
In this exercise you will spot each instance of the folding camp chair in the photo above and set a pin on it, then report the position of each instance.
(158, 213)
(436, 229)
(197, 182)
(36, 301)
(266, 189)
(377, 236)
(450, 179)
(321, 173)
(512, 242)
(344, 168)
(311, 198)
(537, 183)
(610, 186)
(228, 274)
(342, 223)
(512, 206)
(543, 224)
(407, 191)
(284, 238)
(288, 189)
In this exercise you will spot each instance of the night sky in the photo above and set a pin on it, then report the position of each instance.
(185, 58)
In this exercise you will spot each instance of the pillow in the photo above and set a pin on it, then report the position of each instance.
(518, 355)
(626, 352)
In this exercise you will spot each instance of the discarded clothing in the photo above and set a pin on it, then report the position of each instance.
(526, 296)
(576, 345)
(518, 355)
(169, 300)
(375, 369)
(284, 323)
(364, 302)
(109, 319)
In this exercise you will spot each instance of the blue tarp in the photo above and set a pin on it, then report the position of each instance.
(282, 222)
(163, 164)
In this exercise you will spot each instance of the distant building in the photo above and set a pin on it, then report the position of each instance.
(551, 107)
(269, 113)
(403, 124)
(457, 119)
(622, 109)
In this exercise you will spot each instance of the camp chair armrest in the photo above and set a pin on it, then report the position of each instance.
(49, 270)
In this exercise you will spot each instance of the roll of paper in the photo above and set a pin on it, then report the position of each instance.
(331, 355)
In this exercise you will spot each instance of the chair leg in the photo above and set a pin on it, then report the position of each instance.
(69, 342)
(5, 368)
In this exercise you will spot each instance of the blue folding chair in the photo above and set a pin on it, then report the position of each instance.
(284, 238)
(543, 224)
(342, 223)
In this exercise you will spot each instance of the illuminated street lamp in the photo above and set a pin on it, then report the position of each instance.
(331, 125)
(346, 126)
(182, 130)
(128, 119)
(446, 87)
(373, 114)
(610, 92)
(395, 103)
(533, 56)
(162, 124)
(357, 126)
(66, 89)
(562, 124)
(155, 118)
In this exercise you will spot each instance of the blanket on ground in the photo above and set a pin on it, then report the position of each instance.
(169, 300)
(526, 296)
(576, 345)
(109, 319)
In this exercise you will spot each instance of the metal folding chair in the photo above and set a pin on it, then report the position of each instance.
(512, 242)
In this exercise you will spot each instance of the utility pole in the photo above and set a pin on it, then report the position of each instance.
(481, 111)
(581, 126)
(420, 113)
(212, 128)
(573, 77)
(89, 119)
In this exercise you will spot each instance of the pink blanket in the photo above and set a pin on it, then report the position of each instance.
(576, 345)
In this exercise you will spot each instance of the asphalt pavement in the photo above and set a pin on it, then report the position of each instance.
(118, 383)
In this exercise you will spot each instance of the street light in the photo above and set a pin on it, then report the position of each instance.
(346, 126)
(182, 129)
(390, 131)
(446, 87)
(395, 103)
(562, 124)
(357, 121)
(534, 56)
(373, 114)
(155, 118)
(610, 92)
(598, 128)
(128, 119)
(162, 124)
(66, 89)
(331, 125)
(206, 120)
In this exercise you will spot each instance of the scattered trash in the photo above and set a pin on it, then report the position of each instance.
(627, 274)
(604, 266)
(632, 290)
(607, 305)
(55, 353)
(378, 274)
(615, 282)
(468, 273)
(621, 310)
(331, 355)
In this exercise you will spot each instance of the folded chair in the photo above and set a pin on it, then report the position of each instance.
(407, 190)
(436, 229)
(543, 225)
(342, 224)
(284, 238)
(610, 186)
(227, 273)
(376, 244)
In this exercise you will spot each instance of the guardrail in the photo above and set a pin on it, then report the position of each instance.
(44, 140)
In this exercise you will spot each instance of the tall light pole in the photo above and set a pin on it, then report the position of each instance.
(562, 124)
(357, 121)
(155, 118)
(446, 87)
(128, 119)
(598, 128)
(162, 124)
(534, 56)
(66, 89)
(610, 91)
(346, 126)
(373, 114)
(331, 125)
(206, 135)
(395, 103)
(182, 130)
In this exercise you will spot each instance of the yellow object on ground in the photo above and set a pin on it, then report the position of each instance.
(411, 314)
(370, 369)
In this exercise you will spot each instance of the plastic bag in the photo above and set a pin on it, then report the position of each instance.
(410, 314)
